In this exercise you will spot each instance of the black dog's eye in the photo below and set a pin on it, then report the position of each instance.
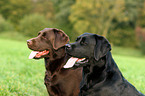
(83, 41)
(78, 39)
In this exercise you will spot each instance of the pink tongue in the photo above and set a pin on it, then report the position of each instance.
(38, 54)
(70, 62)
(32, 54)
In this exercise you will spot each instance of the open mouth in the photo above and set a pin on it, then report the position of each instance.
(72, 61)
(38, 54)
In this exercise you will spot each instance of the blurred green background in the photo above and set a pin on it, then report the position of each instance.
(122, 22)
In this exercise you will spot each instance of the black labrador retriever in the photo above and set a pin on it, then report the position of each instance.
(101, 76)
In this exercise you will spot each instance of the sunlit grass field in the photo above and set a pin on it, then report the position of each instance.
(20, 76)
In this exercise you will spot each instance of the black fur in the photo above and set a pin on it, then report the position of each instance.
(101, 76)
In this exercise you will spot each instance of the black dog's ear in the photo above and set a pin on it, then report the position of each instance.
(102, 47)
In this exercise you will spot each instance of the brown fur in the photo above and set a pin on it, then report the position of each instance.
(58, 81)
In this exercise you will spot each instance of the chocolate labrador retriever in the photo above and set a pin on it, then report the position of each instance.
(49, 44)
(101, 76)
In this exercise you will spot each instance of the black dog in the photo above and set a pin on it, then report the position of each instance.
(101, 76)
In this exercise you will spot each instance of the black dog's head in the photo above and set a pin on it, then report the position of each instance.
(88, 46)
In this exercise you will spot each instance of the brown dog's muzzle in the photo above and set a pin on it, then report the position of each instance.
(29, 42)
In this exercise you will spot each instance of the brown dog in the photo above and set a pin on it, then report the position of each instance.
(49, 44)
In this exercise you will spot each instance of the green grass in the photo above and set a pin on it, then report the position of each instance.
(133, 69)
(20, 76)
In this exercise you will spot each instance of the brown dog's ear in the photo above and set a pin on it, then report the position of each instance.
(60, 39)
(102, 47)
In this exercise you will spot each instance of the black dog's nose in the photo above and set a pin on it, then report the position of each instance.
(68, 46)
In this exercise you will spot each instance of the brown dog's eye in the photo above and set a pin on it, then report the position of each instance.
(38, 33)
(44, 35)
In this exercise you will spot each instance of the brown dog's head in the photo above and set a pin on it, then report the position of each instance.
(48, 39)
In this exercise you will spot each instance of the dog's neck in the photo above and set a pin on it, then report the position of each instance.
(93, 74)
(56, 60)
(99, 71)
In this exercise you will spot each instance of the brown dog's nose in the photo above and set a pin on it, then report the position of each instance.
(29, 42)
